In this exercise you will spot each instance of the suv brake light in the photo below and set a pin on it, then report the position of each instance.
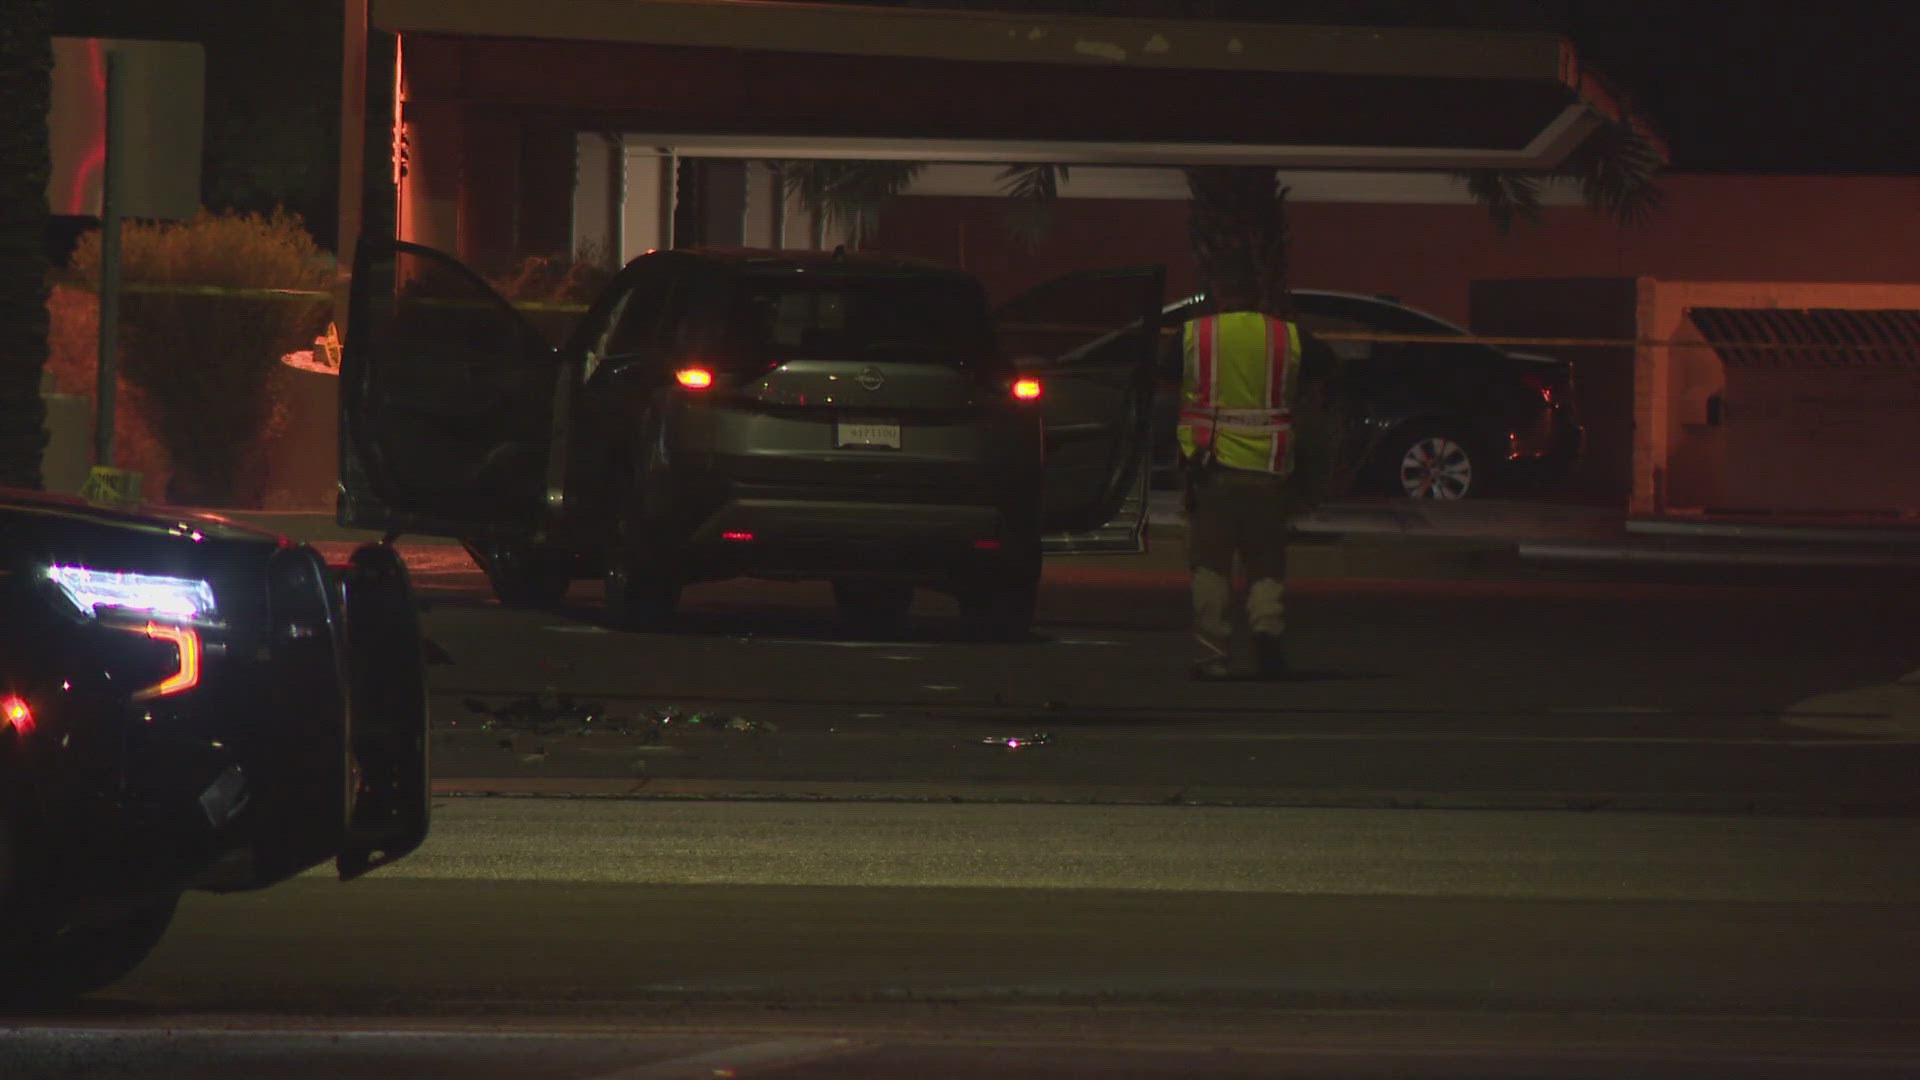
(1539, 386)
(1026, 389)
(694, 378)
(14, 712)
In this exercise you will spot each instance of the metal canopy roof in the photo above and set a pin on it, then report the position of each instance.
(756, 79)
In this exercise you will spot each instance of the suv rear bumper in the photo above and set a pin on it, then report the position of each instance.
(850, 521)
(813, 537)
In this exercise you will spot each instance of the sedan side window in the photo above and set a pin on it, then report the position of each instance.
(1346, 337)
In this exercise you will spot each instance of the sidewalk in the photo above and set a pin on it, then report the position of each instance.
(1550, 535)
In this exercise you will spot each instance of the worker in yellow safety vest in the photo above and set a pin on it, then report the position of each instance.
(1242, 380)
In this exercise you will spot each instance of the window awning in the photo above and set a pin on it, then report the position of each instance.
(1799, 337)
(723, 77)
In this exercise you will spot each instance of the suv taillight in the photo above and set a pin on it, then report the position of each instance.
(1539, 385)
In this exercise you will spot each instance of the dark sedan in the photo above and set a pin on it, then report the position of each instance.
(1428, 419)
(187, 704)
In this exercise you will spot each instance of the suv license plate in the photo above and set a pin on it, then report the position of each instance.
(881, 435)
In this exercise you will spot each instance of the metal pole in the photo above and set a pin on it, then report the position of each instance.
(616, 200)
(779, 205)
(110, 195)
(669, 195)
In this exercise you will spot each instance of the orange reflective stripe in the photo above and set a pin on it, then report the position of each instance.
(1208, 333)
(1276, 389)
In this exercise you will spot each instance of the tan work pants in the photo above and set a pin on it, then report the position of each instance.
(1249, 514)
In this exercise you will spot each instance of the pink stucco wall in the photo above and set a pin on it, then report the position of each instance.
(1743, 228)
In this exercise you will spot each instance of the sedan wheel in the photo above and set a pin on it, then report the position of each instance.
(643, 590)
(521, 576)
(1434, 467)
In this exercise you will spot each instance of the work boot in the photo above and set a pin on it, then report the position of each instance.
(1270, 657)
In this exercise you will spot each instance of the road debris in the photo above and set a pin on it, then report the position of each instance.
(548, 713)
(1017, 742)
(552, 712)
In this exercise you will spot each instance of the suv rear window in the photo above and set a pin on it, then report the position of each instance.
(894, 318)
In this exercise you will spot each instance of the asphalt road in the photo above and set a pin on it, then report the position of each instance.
(603, 938)
(1177, 880)
(1546, 692)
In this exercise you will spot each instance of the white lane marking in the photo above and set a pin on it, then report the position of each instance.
(729, 1061)
(833, 644)
(578, 628)
(1630, 710)
(902, 658)
(910, 644)
(937, 686)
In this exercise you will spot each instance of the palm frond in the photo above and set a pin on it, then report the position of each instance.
(1032, 189)
(849, 193)
(1618, 174)
(1506, 195)
(1238, 226)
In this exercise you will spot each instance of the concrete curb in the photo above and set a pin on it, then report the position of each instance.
(1830, 533)
(1888, 710)
(973, 793)
(1656, 551)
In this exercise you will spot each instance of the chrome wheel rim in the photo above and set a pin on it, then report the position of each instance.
(1436, 467)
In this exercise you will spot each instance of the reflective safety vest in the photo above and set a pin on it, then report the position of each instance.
(1242, 379)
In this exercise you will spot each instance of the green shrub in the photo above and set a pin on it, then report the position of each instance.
(554, 292)
(203, 362)
(73, 358)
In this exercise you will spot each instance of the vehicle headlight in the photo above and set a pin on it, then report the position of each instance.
(96, 592)
(162, 608)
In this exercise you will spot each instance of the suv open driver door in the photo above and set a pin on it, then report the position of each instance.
(1091, 339)
(447, 402)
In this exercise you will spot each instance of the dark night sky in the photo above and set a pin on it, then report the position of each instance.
(1735, 85)
(1829, 88)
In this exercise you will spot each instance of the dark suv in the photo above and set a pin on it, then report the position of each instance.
(861, 420)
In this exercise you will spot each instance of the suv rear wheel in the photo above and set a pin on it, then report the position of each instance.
(522, 576)
(643, 589)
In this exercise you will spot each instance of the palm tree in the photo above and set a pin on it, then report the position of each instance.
(1615, 170)
(1238, 222)
(1238, 213)
(852, 194)
(26, 66)
(846, 194)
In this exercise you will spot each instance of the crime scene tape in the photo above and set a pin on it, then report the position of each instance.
(318, 294)
(1897, 348)
(1906, 349)
(111, 487)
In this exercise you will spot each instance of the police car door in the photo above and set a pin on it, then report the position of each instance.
(1091, 338)
(447, 402)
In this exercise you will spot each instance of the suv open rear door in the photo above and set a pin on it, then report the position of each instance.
(1091, 339)
(448, 400)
